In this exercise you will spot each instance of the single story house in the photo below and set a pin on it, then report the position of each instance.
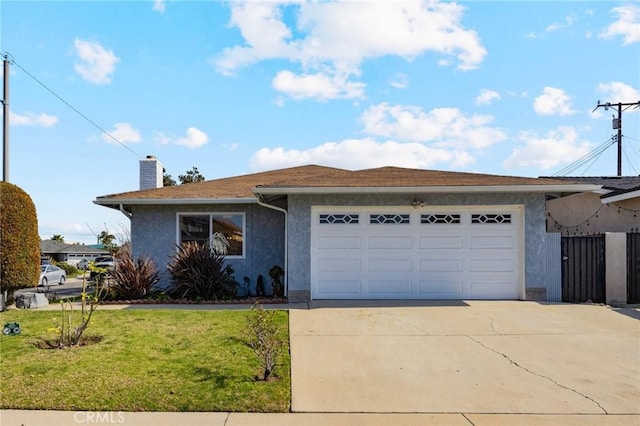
(70, 253)
(384, 233)
(614, 207)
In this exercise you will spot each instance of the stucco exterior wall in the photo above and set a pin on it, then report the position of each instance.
(300, 228)
(153, 234)
(585, 214)
(616, 268)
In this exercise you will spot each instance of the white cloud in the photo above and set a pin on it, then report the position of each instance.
(31, 119)
(627, 25)
(616, 91)
(553, 101)
(399, 81)
(159, 6)
(264, 32)
(486, 97)
(556, 147)
(161, 138)
(406, 29)
(318, 86)
(195, 138)
(443, 127)
(568, 21)
(231, 147)
(357, 154)
(124, 133)
(95, 64)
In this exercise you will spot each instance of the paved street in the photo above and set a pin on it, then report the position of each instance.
(72, 287)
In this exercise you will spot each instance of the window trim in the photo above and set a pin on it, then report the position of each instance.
(211, 215)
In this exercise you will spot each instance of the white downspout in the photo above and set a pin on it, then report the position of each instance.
(286, 240)
(124, 212)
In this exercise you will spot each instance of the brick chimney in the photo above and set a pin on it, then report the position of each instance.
(150, 173)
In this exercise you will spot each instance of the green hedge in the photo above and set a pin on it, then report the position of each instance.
(19, 240)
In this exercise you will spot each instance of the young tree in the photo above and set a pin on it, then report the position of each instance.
(167, 179)
(264, 338)
(107, 240)
(191, 176)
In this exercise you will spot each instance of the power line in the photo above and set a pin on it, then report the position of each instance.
(591, 156)
(74, 109)
(626, 155)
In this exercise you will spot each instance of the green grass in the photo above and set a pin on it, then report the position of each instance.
(151, 360)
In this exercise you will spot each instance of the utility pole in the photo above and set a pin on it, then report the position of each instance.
(617, 123)
(5, 122)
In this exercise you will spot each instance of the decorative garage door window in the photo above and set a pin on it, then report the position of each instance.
(396, 219)
(329, 219)
(200, 227)
(437, 219)
(490, 218)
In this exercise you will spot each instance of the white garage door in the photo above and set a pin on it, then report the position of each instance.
(426, 253)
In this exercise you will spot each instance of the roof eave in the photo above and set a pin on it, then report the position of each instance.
(110, 202)
(426, 189)
(620, 197)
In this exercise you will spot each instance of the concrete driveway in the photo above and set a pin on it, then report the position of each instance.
(471, 357)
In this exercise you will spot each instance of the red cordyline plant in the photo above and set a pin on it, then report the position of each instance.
(133, 279)
(198, 271)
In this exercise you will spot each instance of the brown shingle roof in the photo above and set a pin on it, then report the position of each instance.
(318, 177)
(390, 177)
(231, 187)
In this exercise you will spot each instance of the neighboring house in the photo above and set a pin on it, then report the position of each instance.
(385, 233)
(70, 253)
(615, 207)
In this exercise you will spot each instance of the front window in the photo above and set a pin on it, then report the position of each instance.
(200, 227)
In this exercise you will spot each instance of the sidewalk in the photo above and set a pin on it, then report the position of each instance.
(66, 418)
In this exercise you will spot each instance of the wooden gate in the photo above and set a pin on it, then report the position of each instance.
(583, 269)
(633, 267)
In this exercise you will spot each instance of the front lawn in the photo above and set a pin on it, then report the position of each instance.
(155, 360)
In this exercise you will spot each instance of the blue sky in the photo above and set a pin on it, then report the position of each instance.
(239, 87)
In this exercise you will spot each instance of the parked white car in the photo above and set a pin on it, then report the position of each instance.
(83, 264)
(51, 274)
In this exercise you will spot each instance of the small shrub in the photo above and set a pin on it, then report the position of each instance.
(197, 270)
(133, 279)
(99, 275)
(277, 275)
(70, 269)
(264, 339)
(260, 286)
